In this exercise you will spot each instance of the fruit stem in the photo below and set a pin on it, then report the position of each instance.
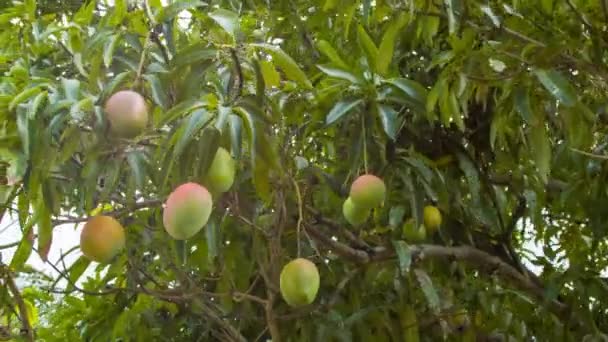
(364, 143)
(300, 213)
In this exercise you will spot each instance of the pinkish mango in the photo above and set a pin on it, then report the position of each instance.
(187, 210)
(127, 113)
(367, 191)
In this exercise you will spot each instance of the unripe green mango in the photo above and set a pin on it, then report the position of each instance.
(353, 214)
(221, 172)
(299, 282)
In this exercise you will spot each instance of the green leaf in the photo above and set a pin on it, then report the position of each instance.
(77, 269)
(270, 74)
(24, 96)
(197, 120)
(390, 120)
(557, 85)
(36, 104)
(341, 74)
(179, 110)
(368, 46)
(193, 54)
(452, 22)
(387, 45)
(472, 176)
(325, 48)
(108, 50)
(207, 147)
(158, 92)
(428, 289)
(45, 231)
(340, 109)
(521, 98)
(24, 250)
(171, 11)
(71, 88)
(228, 20)
(236, 126)
(395, 216)
(404, 255)
(223, 113)
(286, 63)
(541, 150)
(414, 91)
(136, 161)
(212, 235)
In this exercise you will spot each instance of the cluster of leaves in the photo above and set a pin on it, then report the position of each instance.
(494, 112)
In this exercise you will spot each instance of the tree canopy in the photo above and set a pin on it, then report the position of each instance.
(493, 112)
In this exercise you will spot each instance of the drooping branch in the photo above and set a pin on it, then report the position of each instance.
(474, 257)
(115, 213)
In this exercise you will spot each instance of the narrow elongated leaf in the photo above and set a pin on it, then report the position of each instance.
(158, 93)
(428, 289)
(236, 138)
(404, 255)
(541, 150)
(24, 250)
(328, 50)
(228, 20)
(390, 120)
(78, 268)
(341, 74)
(36, 104)
(340, 109)
(557, 85)
(521, 98)
(136, 160)
(179, 110)
(395, 216)
(270, 74)
(368, 46)
(24, 96)
(413, 93)
(193, 54)
(196, 121)
(169, 12)
(45, 231)
(207, 147)
(108, 49)
(472, 176)
(286, 63)
(387, 45)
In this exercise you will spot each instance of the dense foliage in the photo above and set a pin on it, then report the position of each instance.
(492, 111)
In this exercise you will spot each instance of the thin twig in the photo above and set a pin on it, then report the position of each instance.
(300, 214)
(27, 326)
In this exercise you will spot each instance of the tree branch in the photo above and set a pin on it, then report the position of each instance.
(27, 326)
(339, 248)
(116, 213)
(472, 256)
(347, 234)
